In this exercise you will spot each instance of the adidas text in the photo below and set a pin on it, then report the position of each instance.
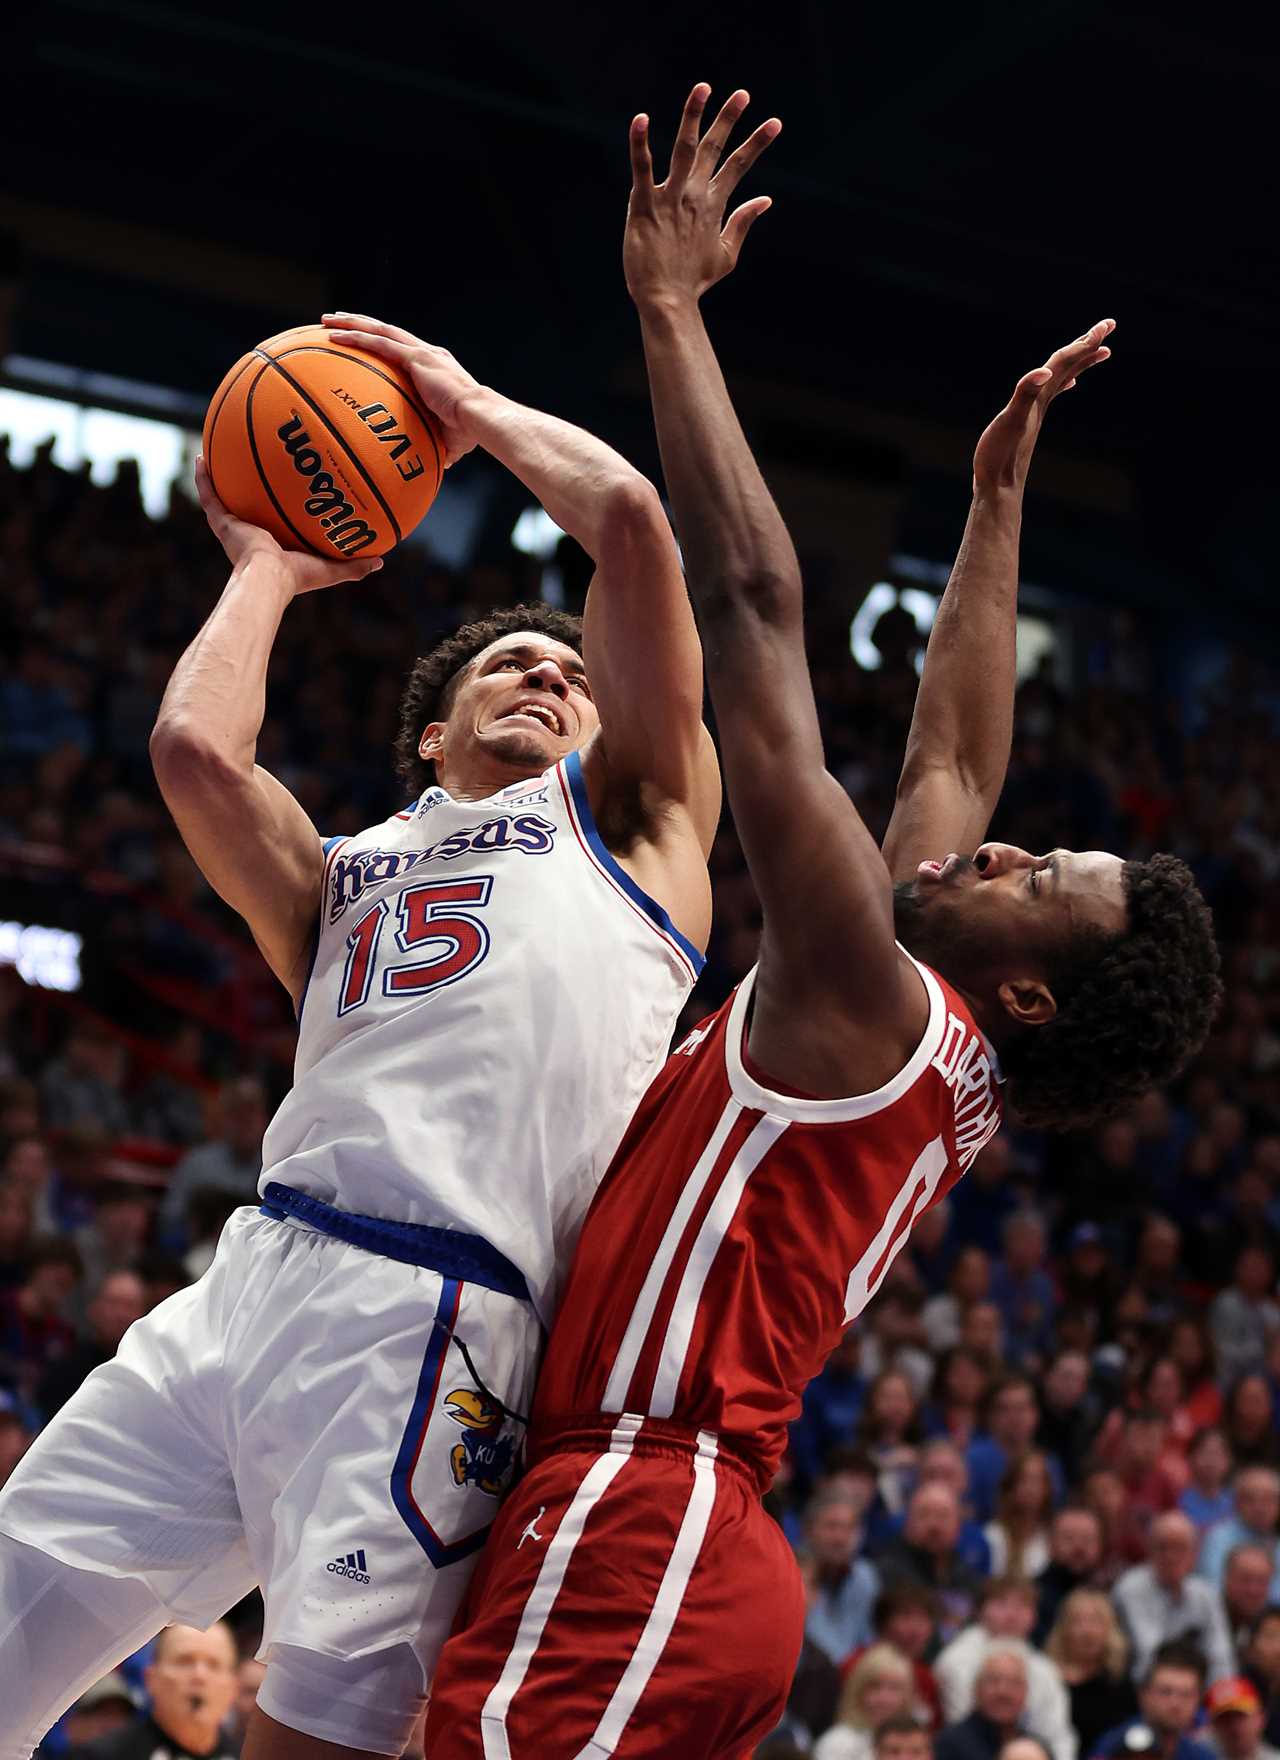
(351, 1566)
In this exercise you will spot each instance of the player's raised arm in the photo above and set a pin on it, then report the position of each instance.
(251, 840)
(958, 747)
(640, 642)
(828, 909)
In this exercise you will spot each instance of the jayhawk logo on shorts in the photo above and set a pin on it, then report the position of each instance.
(484, 1457)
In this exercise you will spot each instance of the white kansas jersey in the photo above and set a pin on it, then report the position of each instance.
(491, 995)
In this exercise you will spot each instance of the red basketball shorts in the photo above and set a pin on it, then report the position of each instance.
(633, 1599)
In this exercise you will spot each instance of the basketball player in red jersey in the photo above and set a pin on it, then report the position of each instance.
(634, 1598)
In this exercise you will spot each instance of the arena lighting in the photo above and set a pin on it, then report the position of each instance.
(922, 606)
(47, 958)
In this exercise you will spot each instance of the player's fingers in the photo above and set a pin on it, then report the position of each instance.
(739, 162)
(741, 221)
(1029, 387)
(641, 157)
(213, 508)
(388, 347)
(685, 150)
(367, 326)
(713, 141)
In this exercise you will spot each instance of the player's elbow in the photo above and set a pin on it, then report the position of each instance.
(186, 760)
(632, 517)
(759, 593)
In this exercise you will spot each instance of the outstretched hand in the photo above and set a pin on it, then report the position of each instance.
(1004, 452)
(304, 572)
(677, 241)
(441, 382)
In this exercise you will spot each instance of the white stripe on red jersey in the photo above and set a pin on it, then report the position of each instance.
(739, 1230)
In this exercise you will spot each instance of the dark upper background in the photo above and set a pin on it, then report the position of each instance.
(958, 189)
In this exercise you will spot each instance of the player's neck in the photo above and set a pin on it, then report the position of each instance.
(482, 780)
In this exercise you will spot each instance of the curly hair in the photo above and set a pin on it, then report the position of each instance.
(429, 689)
(1133, 1008)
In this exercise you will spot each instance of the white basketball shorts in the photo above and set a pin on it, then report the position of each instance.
(311, 1417)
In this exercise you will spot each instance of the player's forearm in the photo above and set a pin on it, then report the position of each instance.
(738, 554)
(963, 720)
(588, 489)
(214, 705)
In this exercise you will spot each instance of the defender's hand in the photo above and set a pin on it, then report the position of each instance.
(677, 242)
(1004, 452)
(302, 572)
(441, 382)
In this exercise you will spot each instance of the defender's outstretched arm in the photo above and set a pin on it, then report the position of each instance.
(828, 912)
(962, 726)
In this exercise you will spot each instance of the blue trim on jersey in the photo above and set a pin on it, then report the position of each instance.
(651, 908)
(327, 843)
(446, 1250)
(438, 1551)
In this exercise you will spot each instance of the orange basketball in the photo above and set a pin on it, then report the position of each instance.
(328, 449)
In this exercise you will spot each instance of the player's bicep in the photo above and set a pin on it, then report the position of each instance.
(257, 848)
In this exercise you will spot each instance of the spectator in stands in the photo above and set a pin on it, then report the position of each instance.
(192, 1684)
(1091, 1654)
(999, 1701)
(231, 1160)
(1262, 1666)
(932, 1254)
(120, 1300)
(167, 1107)
(1257, 1512)
(1162, 1602)
(207, 1212)
(1158, 1268)
(1024, 1291)
(889, 1432)
(1102, 1490)
(1168, 1700)
(815, 1687)
(1243, 1317)
(34, 1328)
(1207, 1498)
(117, 1237)
(844, 1586)
(1149, 1491)
(1012, 1416)
(982, 1332)
(906, 1618)
(1024, 1747)
(902, 1738)
(84, 1085)
(1191, 1347)
(1006, 1614)
(925, 1554)
(1249, 1421)
(1070, 1412)
(1089, 1282)
(26, 1167)
(942, 1463)
(1236, 1721)
(879, 1686)
(969, 1281)
(1075, 1559)
(15, 1233)
(1246, 1591)
(833, 1402)
(957, 1396)
(1019, 1536)
(105, 1707)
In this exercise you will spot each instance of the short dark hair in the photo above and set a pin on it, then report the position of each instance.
(53, 1250)
(901, 1724)
(995, 1588)
(903, 1598)
(1133, 1008)
(1177, 1653)
(429, 687)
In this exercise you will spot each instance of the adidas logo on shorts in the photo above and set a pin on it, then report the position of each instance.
(352, 1566)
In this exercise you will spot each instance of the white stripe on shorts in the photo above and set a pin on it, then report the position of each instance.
(542, 1597)
(662, 1615)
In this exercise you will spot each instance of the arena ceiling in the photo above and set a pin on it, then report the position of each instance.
(956, 189)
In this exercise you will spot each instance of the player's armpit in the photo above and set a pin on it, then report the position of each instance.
(252, 842)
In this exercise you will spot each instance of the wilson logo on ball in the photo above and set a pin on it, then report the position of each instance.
(341, 525)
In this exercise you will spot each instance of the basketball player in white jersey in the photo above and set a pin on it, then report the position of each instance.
(485, 984)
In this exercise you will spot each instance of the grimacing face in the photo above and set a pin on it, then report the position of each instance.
(992, 922)
(523, 702)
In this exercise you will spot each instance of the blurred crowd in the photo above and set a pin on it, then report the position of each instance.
(1035, 1494)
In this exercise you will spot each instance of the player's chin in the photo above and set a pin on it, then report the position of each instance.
(524, 749)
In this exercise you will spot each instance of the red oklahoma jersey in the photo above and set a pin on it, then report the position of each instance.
(739, 1230)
